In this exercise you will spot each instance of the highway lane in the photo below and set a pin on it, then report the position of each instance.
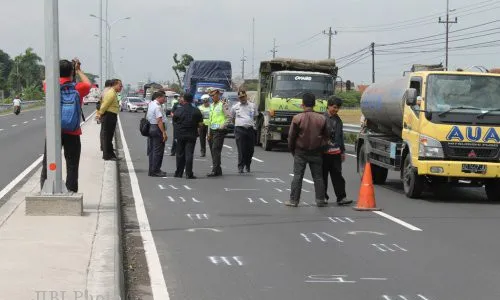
(253, 247)
(21, 141)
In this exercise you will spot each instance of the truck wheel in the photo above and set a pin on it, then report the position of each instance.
(361, 161)
(492, 188)
(379, 174)
(266, 143)
(412, 182)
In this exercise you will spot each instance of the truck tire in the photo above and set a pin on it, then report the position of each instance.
(379, 174)
(413, 183)
(492, 189)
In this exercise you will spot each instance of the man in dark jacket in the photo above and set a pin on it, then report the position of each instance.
(306, 140)
(187, 119)
(334, 154)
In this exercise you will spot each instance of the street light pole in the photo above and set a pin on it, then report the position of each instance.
(101, 86)
(53, 184)
(107, 36)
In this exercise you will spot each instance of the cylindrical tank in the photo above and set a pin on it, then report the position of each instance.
(382, 105)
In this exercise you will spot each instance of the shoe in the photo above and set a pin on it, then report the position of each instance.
(214, 174)
(172, 154)
(177, 175)
(191, 177)
(159, 174)
(240, 170)
(321, 203)
(248, 169)
(111, 158)
(203, 155)
(343, 201)
(289, 203)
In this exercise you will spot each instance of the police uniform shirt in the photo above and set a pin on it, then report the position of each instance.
(244, 114)
(155, 111)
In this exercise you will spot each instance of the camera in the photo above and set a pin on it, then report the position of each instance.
(76, 66)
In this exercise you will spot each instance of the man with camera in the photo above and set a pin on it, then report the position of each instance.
(70, 139)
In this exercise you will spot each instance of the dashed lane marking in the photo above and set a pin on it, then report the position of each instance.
(228, 147)
(305, 179)
(396, 220)
(256, 159)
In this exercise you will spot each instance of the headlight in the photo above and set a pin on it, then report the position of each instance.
(429, 147)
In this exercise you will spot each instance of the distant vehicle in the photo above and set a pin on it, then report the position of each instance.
(93, 96)
(232, 99)
(168, 103)
(202, 74)
(134, 104)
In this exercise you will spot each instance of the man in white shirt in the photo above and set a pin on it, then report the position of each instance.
(157, 134)
(243, 115)
(17, 103)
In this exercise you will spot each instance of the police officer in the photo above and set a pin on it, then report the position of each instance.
(187, 118)
(243, 114)
(205, 111)
(219, 117)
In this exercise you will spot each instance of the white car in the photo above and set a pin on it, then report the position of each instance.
(93, 96)
(135, 104)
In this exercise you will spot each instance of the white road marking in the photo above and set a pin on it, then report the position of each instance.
(271, 180)
(216, 260)
(196, 201)
(305, 179)
(228, 189)
(196, 229)
(279, 201)
(386, 297)
(20, 177)
(161, 187)
(374, 279)
(256, 159)
(158, 284)
(14, 125)
(171, 199)
(396, 220)
(182, 199)
(341, 220)
(385, 248)
(402, 297)
(370, 232)
(400, 248)
(352, 155)
(250, 200)
(1, 129)
(319, 237)
(305, 237)
(379, 248)
(34, 119)
(25, 122)
(228, 147)
(187, 187)
(238, 261)
(173, 187)
(263, 201)
(279, 190)
(332, 237)
(422, 297)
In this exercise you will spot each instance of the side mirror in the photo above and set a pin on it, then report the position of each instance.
(411, 97)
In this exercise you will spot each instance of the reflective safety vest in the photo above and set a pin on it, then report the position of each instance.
(205, 111)
(217, 116)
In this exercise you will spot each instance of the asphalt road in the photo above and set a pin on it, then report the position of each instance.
(232, 238)
(21, 141)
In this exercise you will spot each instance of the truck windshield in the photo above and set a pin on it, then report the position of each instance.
(203, 89)
(292, 85)
(462, 93)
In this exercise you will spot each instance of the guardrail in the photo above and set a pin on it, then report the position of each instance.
(23, 104)
(352, 128)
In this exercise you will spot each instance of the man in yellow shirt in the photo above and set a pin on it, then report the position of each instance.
(107, 114)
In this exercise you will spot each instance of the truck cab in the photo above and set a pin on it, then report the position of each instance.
(202, 87)
(281, 86)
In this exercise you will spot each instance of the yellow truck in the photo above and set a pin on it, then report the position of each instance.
(282, 82)
(435, 128)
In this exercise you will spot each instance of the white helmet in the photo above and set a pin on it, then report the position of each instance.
(205, 97)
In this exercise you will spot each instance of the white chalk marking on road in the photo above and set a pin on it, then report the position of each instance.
(400, 248)
(158, 283)
(351, 155)
(183, 199)
(198, 216)
(196, 229)
(200, 159)
(216, 260)
(341, 220)
(306, 204)
(305, 237)
(396, 220)
(238, 260)
(173, 187)
(171, 199)
(279, 201)
(256, 159)
(161, 187)
(187, 187)
(402, 297)
(305, 179)
(422, 297)
(328, 279)
(25, 122)
(196, 201)
(369, 232)
(379, 248)
(319, 237)
(279, 190)
(263, 201)
(228, 147)
(34, 119)
(250, 200)
(373, 278)
(332, 237)
(1, 129)
(14, 125)
(386, 297)
(271, 180)
(228, 189)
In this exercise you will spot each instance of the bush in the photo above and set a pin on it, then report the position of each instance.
(351, 98)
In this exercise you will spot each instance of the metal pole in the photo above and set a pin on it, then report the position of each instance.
(253, 48)
(107, 37)
(330, 43)
(447, 29)
(53, 184)
(373, 62)
(101, 86)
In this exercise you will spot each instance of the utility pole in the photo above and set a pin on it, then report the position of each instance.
(243, 59)
(253, 48)
(274, 48)
(330, 33)
(373, 62)
(447, 22)
(107, 41)
(101, 86)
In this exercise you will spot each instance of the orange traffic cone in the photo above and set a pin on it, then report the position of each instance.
(366, 200)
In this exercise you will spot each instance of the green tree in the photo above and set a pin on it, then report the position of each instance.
(26, 71)
(181, 65)
(351, 98)
(5, 67)
(92, 77)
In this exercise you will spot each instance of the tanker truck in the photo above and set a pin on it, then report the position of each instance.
(282, 82)
(436, 128)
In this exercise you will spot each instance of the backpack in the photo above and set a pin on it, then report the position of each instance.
(144, 124)
(71, 109)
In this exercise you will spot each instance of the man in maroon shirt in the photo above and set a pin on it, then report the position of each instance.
(70, 140)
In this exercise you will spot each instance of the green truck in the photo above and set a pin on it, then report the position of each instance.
(282, 82)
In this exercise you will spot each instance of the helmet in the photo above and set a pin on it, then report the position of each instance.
(205, 97)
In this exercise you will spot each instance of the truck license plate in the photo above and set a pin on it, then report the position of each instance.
(474, 168)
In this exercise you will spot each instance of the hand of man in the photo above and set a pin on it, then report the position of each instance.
(165, 137)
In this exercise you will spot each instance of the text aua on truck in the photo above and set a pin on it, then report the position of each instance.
(282, 82)
(436, 128)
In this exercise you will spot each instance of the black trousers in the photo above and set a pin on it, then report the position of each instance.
(245, 142)
(72, 150)
(108, 127)
(203, 139)
(216, 147)
(332, 164)
(156, 149)
(184, 155)
(174, 142)
(301, 160)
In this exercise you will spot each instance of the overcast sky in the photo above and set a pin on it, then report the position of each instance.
(220, 29)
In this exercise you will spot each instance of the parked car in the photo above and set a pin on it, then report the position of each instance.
(93, 97)
(134, 104)
(232, 99)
